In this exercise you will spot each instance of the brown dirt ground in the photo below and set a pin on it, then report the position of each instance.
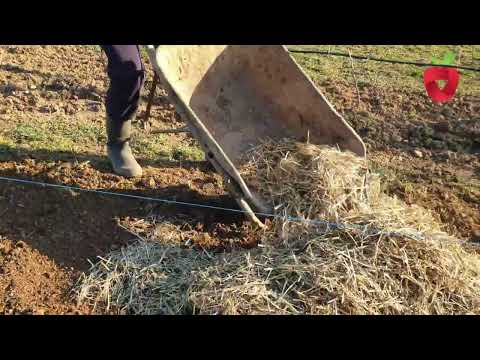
(48, 236)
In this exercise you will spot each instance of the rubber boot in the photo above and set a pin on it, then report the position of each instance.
(119, 151)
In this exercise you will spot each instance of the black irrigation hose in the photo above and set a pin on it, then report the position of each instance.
(359, 57)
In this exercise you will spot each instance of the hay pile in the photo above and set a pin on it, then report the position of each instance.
(386, 258)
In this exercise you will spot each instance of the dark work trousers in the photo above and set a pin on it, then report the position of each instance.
(127, 76)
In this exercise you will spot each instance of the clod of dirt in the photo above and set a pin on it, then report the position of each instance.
(418, 153)
(443, 127)
(23, 287)
(5, 247)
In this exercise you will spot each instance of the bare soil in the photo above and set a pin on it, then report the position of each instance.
(428, 154)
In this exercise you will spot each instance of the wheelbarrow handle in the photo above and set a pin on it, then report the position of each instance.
(151, 95)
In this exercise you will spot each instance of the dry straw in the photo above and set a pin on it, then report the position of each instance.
(299, 267)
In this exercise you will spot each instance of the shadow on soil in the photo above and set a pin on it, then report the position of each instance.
(100, 163)
(52, 82)
(58, 83)
(71, 227)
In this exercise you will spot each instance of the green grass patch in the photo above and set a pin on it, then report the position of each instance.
(185, 152)
(62, 134)
(57, 134)
(166, 147)
(410, 77)
(24, 133)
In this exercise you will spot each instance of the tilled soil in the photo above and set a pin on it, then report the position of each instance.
(57, 232)
(429, 155)
(48, 236)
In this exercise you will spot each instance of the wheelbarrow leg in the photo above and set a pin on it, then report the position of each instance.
(148, 111)
(151, 96)
(249, 213)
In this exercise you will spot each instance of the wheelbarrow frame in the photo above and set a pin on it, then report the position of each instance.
(213, 151)
(219, 158)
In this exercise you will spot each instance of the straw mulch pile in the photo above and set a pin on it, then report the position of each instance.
(381, 256)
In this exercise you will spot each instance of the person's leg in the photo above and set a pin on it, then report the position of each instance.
(127, 74)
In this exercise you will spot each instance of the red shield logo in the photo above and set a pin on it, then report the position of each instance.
(434, 74)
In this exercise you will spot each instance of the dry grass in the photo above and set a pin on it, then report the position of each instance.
(386, 258)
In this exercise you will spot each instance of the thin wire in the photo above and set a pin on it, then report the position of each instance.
(369, 231)
(391, 61)
(109, 193)
(329, 225)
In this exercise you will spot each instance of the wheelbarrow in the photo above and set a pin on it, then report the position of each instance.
(233, 97)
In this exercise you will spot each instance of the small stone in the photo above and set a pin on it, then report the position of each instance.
(33, 87)
(208, 187)
(418, 153)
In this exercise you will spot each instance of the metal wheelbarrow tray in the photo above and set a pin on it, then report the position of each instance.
(233, 97)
